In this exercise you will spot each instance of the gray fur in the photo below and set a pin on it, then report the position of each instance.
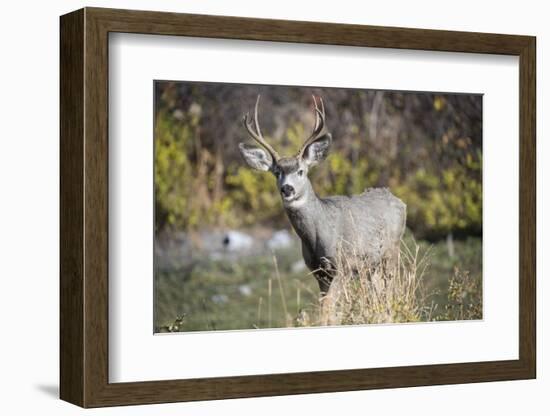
(373, 222)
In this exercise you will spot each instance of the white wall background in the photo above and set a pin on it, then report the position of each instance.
(29, 159)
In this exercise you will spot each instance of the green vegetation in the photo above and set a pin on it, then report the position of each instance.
(246, 293)
(242, 294)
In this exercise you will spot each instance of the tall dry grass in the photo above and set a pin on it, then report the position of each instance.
(386, 292)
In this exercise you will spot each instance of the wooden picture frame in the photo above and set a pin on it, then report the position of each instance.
(84, 207)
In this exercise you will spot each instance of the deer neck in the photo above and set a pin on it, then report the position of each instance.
(305, 216)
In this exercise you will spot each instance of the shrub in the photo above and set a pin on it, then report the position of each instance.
(438, 204)
(464, 297)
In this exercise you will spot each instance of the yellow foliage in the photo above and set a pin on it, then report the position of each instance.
(445, 202)
(191, 190)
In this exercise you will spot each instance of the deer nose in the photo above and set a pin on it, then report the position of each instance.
(287, 190)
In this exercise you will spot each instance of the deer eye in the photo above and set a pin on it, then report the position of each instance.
(300, 172)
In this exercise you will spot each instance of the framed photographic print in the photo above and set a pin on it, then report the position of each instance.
(260, 207)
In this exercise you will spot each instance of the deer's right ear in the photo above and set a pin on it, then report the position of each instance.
(255, 157)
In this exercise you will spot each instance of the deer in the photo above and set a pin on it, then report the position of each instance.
(373, 220)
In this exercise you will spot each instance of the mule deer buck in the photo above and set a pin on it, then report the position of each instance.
(373, 221)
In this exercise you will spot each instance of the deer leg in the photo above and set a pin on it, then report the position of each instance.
(324, 280)
(326, 300)
(394, 259)
(389, 262)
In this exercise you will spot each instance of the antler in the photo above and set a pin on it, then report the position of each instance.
(257, 135)
(317, 128)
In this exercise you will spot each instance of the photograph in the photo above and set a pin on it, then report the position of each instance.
(303, 206)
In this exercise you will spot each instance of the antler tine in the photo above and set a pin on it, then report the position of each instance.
(319, 113)
(319, 124)
(315, 109)
(257, 135)
(256, 122)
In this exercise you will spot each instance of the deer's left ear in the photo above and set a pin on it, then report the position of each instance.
(318, 150)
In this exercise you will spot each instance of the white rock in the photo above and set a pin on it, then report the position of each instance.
(280, 239)
(245, 290)
(220, 298)
(237, 241)
(298, 266)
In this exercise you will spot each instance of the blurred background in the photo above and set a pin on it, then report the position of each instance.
(225, 254)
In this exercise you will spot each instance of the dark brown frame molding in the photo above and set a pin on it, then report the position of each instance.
(84, 207)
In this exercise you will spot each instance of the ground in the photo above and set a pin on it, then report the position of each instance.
(272, 289)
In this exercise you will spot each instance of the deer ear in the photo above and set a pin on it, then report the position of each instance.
(255, 157)
(318, 150)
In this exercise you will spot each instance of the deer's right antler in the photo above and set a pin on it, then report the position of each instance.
(257, 135)
(318, 128)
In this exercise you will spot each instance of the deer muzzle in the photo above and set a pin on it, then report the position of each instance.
(287, 191)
